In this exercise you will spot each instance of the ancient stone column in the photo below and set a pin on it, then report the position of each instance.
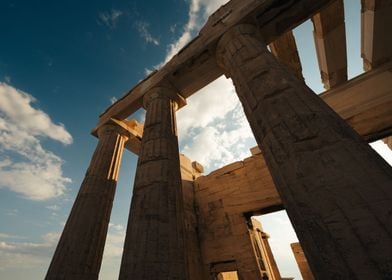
(154, 243)
(79, 252)
(337, 191)
(302, 263)
(270, 256)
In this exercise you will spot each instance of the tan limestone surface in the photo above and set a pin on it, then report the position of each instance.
(333, 185)
(301, 261)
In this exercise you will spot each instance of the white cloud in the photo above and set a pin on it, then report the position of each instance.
(142, 28)
(113, 252)
(12, 212)
(15, 105)
(113, 100)
(10, 236)
(22, 255)
(282, 234)
(213, 129)
(198, 13)
(210, 103)
(25, 166)
(110, 19)
(54, 207)
(383, 149)
(173, 28)
(114, 241)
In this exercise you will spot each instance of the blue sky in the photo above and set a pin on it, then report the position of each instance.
(61, 64)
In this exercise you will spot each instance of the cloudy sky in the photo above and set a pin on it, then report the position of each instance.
(61, 64)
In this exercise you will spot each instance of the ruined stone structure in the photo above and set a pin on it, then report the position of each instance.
(302, 262)
(312, 158)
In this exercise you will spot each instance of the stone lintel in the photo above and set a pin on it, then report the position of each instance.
(194, 66)
(376, 42)
(129, 128)
(365, 102)
(285, 49)
(166, 91)
(330, 41)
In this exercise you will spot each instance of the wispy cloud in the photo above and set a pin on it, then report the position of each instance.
(110, 18)
(113, 251)
(16, 108)
(25, 166)
(53, 207)
(113, 100)
(10, 236)
(27, 254)
(282, 234)
(16, 252)
(198, 13)
(115, 241)
(12, 212)
(173, 28)
(212, 128)
(142, 28)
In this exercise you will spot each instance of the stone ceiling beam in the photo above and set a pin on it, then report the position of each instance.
(388, 141)
(376, 39)
(195, 66)
(285, 49)
(330, 40)
(135, 132)
(365, 102)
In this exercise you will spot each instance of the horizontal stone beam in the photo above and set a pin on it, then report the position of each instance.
(376, 41)
(135, 132)
(365, 102)
(285, 50)
(330, 40)
(194, 66)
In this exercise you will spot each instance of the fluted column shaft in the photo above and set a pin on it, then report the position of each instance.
(154, 244)
(337, 191)
(79, 252)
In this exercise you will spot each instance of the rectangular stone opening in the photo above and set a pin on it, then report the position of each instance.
(279, 234)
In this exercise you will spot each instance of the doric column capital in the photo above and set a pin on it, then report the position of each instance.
(114, 126)
(227, 47)
(109, 129)
(163, 92)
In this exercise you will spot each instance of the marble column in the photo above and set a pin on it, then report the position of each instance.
(79, 252)
(337, 191)
(154, 243)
